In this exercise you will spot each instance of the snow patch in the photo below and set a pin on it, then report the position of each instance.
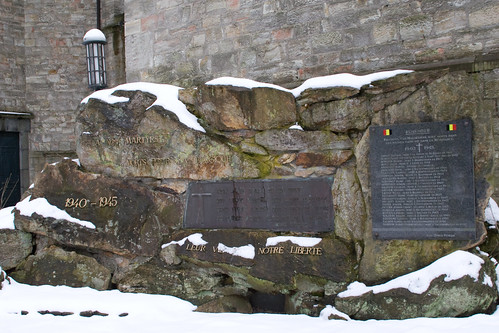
(345, 80)
(16, 297)
(160, 311)
(166, 97)
(487, 280)
(195, 239)
(246, 251)
(42, 207)
(75, 160)
(300, 241)
(331, 310)
(492, 213)
(243, 83)
(296, 127)
(7, 218)
(454, 266)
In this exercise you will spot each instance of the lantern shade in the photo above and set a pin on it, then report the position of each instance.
(94, 41)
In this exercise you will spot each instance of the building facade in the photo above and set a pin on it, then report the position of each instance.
(187, 42)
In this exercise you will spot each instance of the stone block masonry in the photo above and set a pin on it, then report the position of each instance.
(186, 41)
(55, 70)
(12, 83)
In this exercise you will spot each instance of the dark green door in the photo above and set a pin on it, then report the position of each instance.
(10, 182)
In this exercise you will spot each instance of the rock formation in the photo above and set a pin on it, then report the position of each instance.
(137, 160)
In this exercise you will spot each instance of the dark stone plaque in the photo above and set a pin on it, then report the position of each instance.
(277, 205)
(422, 181)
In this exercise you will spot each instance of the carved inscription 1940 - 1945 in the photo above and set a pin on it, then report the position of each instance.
(422, 181)
(277, 205)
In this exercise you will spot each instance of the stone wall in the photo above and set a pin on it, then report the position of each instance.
(12, 83)
(55, 70)
(285, 41)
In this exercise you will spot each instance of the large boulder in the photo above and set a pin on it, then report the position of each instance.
(54, 266)
(461, 284)
(15, 246)
(197, 285)
(131, 139)
(436, 96)
(130, 219)
(229, 108)
(337, 116)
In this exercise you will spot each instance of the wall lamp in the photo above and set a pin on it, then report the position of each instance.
(94, 41)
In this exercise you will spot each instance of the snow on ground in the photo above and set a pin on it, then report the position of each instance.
(7, 218)
(157, 313)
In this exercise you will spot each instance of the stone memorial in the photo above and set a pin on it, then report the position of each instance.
(247, 212)
(422, 181)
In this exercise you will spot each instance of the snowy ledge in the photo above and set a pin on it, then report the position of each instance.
(42, 207)
(195, 239)
(329, 81)
(246, 251)
(300, 241)
(167, 95)
(454, 266)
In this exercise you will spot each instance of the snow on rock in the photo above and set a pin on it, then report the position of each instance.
(330, 311)
(246, 251)
(345, 80)
(195, 239)
(296, 127)
(166, 97)
(76, 160)
(243, 83)
(42, 207)
(454, 266)
(300, 241)
(7, 218)
(492, 213)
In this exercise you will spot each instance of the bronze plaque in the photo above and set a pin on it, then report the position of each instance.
(303, 205)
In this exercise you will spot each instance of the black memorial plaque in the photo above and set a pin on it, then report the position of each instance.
(276, 205)
(422, 181)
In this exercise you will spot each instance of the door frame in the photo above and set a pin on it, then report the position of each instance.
(19, 122)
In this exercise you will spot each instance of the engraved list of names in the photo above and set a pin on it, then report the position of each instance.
(278, 205)
(422, 181)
